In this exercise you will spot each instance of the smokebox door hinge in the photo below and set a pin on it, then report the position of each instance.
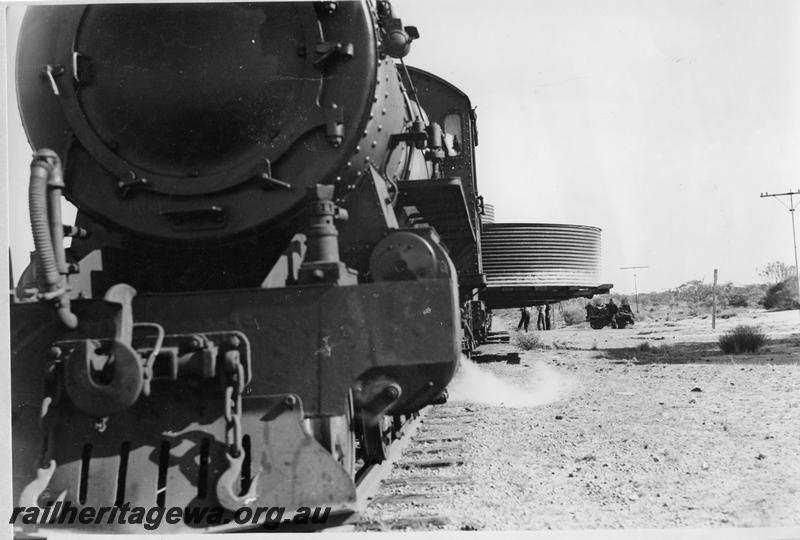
(331, 49)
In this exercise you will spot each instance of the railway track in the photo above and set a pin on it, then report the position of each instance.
(495, 338)
(421, 470)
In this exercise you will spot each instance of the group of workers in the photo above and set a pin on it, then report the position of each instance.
(611, 307)
(611, 310)
(543, 314)
(542, 318)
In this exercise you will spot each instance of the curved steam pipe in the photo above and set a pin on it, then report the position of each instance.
(45, 214)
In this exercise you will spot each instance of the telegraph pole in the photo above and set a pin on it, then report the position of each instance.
(714, 302)
(791, 208)
(635, 288)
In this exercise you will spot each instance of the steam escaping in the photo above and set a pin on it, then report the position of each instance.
(540, 384)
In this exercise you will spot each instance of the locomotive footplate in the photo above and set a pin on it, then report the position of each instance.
(229, 433)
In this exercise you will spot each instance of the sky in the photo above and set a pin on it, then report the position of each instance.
(659, 121)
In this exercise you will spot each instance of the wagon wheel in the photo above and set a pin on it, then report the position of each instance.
(374, 439)
(397, 424)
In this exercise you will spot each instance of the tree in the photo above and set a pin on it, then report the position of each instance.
(693, 292)
(776, 271)
(782, 295)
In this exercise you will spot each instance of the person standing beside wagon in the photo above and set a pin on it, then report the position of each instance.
(524, 318)
(540, 318)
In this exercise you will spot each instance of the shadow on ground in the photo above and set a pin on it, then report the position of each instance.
(508, 358)
(776, 351)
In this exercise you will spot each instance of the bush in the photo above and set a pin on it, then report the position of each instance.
(528, 341)
(738, 300)
(573, 315)
(782, 295)
(742, 339)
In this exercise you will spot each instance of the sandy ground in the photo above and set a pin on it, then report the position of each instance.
(779, 325)
(592, 432)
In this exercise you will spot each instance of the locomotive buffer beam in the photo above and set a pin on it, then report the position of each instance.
(310, 346)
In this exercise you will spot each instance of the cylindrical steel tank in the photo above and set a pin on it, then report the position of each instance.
(540, 263)
(541, 254)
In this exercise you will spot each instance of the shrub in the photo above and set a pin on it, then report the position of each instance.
(742, 339)
(782, 295)
(574, 315)
(738, 300)
(528, 341)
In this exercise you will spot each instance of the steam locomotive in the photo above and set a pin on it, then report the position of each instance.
(276, 253)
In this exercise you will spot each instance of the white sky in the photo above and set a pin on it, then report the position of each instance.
(659, 121)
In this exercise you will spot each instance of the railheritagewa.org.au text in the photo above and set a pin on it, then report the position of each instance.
(64, 513)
